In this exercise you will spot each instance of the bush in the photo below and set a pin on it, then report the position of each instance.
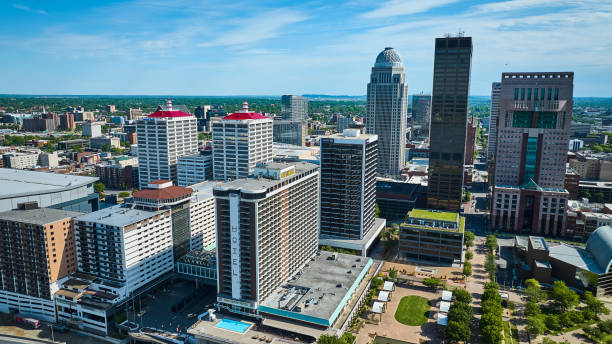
(467, 269)
(377, 283)
(393, 274)
(431, 282)
(532, 309)
(469, 255)
(124, 194)
(576, 317)
(535, 325)
(552, 322)
(565, 320)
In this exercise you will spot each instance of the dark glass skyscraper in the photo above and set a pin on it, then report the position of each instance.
(451, 84)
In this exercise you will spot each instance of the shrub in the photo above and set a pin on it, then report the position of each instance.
(431, 282)
(552, 322)
(469, 255)
(535, 325)
(576, 317)
(532, 309)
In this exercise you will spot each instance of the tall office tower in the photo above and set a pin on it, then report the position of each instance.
(37, 250)
(290, 132)
(267, 229)
(348, 188)
(200, 114)
(449, 107)
(493, 118)
(386, 111)
(125, 246)
(240, 141)
(294, 108)
(163, 137)
(535, 113)
(421, 111)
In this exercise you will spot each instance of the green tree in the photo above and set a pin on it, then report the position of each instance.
(393, 274)
(77, 149)
(124, 194)
(99, 187)
(532, 309)
(563, 297)
(552, 322)
(492, 334)
(585, 194)
(49, 147)
(105, 147)
(598, 197)
(469, 239)
(329, 339)
(457, 331)
(535, 326)
(533, 291)
(491, 243)
(432, 282)
(462, 312)
(462, 295)
(594, 305)
(467, 269)
(469, 255)
(376, 283)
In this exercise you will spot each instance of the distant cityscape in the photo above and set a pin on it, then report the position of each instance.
(389, 218)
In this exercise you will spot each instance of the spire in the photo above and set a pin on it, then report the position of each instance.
(245, 106)
(169, 104)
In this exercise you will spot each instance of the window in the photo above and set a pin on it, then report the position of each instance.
(516, 94)
(529, 94)
(556, 93)
(542, 94)
(549, 96)
(535, 93)
(522, 93)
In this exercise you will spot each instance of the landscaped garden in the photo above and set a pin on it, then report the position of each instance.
(413, 310)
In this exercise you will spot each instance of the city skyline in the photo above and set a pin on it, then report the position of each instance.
(149, 47)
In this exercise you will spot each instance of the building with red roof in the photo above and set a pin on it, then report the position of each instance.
(240, 141)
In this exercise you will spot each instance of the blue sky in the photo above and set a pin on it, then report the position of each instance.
(199, 47)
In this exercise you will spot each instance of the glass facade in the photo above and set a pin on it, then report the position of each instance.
(530, 159)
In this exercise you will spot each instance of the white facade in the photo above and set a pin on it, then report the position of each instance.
(161, 141)
(20, 160)
(240, 142)
(38, 308)
(194, 168)
(202, 217)
(92, 130)
(98, 142)
(493, 118)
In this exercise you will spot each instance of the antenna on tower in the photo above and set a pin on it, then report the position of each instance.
(245, 106)
(169, 104)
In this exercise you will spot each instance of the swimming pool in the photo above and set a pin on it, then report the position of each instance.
(233, 325)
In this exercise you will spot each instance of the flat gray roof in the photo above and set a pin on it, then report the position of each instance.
(203, 190)
(40, 216)
(17, 183)
(260, 185)
(575, 256)
(118, 216)
(538, 243)
(319, 290)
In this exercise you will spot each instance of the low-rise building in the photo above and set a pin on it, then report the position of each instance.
(71, 144)
(20, 160)
(92, 129)
(101, 141)
(432, 236)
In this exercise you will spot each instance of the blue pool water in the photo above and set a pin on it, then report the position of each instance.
(233, 325)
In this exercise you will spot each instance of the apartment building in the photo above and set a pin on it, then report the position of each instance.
(37, 251)
(240, 141)
(163, 137)
(267, 229)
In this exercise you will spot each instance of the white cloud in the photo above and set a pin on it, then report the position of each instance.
(394, 8)
(28, 9)
(256, 28)
(515, 5)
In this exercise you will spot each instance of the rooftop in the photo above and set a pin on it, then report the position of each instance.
(245, 114)
(170, 192)
(39, 216)
(434, 215)
(17, 183)
(575, 256)
(538, 243)
(169, 114)
(320, 290)
(117, 216)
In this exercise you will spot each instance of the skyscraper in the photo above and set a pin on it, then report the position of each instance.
(493, 118)
(267, 228)
(386, 111)
(451, 84)
(421, 111)
(294, 108)
(348, 184)
(533, 129)
(240, 141)
(290, 132)
(163, 137)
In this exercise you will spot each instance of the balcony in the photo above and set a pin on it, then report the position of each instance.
(539, 105)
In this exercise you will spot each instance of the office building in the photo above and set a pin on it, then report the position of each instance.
(71, 144)
(294, 108)
(66, 122)
(433, 236)
(493, 118)
(163, 137)
(421, 112)
(53, 190)
(92, 129)
(194, 168)
(578, 129)
(449, 107)
(470, 141)
(214, 112)
(267, 229)
(201, 113)
(348, 188)
(20, 160)
(38, 250)
(535, 111)
(104, 142)
(290, 132)
(111, 108)
(386, 111)
(46, 159)
(240, 141)
(134, 114)
(575, 145)
(395, 198)
(124, 246)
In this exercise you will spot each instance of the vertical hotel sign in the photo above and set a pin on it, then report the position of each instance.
(234, 202)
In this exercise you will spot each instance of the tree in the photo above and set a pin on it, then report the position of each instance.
(563, 297)
(457, 331)
(491, 265)
(49, 147)
(598, 197)
(376, 211)
(491, 243)
(535, 326)
(462, 295)
(491, 307)
(78, 149)
(467, 269)
(585, 194)
(462, 312)
(105, 147)
(432, 282)
(329, 339)
(469, 239)
(376, 283)
(469, 255)
(492, 334)
(392, 274)
(533, 290)
(99, 187)
(124, 194)
(532, 309)
(594, 305)
(552, 322)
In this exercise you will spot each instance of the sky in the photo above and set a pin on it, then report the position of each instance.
(200, 47)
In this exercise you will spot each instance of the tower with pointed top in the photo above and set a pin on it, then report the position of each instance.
(240, 141)
(386, 109)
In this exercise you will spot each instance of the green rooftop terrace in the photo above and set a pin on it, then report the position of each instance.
(433, 215)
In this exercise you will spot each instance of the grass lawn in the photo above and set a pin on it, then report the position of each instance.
(413, 310)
